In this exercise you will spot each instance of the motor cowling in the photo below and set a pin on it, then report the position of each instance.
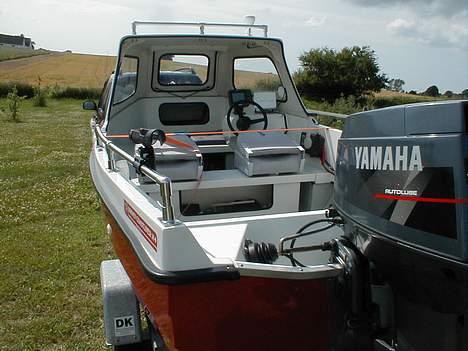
(402, 187)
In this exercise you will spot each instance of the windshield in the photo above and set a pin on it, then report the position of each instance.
(177, 69)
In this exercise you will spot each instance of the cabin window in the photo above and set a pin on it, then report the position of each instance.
(126, 82)
(255, 73)
(183, 70)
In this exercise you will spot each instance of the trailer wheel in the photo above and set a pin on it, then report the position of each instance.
(155, 338)
(131, 347)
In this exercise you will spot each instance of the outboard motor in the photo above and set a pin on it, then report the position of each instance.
(402, 189)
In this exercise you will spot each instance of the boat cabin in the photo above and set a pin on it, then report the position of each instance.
(270, 160)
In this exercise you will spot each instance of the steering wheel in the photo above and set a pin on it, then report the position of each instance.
(244, 122)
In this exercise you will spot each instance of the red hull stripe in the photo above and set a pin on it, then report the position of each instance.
(421, 199)
(144, 228)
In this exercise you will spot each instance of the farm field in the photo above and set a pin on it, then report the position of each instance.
(63, 69)
(10, 53)
(84, 71)
(52, 234)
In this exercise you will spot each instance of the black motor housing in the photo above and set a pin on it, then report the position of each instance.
(402, 186)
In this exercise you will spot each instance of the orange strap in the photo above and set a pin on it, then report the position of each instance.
(227, 132)
(176, 142)
(173, 141)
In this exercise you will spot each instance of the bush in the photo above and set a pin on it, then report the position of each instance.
(380, 102)
(267, 84)
(349, 105)
(14, 101)
(345, 105)
(432, 91)
(39, 99)
(74, 93)
(23, 89)
(448, 93)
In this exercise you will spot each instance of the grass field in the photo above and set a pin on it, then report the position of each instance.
(52, 236)
(10, 53)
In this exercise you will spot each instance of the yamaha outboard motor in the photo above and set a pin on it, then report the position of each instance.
(402, 189)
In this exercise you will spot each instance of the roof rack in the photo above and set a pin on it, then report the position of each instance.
(202, 26)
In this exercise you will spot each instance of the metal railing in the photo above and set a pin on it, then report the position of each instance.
(328, 114)
(165, 185)
(203, 25)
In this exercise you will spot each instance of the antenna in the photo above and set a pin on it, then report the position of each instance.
(250, 20)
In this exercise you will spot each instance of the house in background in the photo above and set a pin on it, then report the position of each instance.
(16, 41)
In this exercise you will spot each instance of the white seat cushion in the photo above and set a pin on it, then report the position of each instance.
(178, 161)
(267, 153)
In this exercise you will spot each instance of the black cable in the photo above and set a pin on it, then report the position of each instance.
(293, 242)
(294, 262)
(285, 119)
(328, 220)
(300, 233)
(294, 237)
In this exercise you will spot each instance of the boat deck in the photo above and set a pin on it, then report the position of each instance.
(224, 238)
(313, 172)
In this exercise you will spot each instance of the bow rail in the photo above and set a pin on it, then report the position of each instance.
(164, 182)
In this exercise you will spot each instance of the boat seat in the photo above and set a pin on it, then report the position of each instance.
(179, 160)
(267, 153)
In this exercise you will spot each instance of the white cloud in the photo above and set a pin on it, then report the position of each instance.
(316, 21)
(438, 23)
(401, 26)
(435, 32)
(435, 8)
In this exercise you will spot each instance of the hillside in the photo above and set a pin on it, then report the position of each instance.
(64, 69)
(11, 53)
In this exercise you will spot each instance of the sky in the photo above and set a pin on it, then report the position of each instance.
(423, 42)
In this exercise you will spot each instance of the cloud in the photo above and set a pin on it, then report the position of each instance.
(402, 27)
(439, 33)
(444, 8)
(437, 23)
(316, 21)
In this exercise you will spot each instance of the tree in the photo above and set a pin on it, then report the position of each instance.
(413, 92)
(326, 74)
(448, 93)
(432, 91)
(464, 93)
(396, 85)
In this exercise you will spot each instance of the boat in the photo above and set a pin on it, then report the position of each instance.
(217, 186)
(215, 181)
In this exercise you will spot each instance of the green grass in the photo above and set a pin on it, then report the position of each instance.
(52, 236)
(10, 53)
